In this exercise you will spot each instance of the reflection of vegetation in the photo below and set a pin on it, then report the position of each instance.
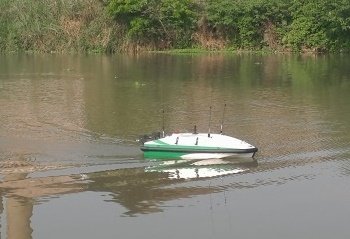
(189, 84)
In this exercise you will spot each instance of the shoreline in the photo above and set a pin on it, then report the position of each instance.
(20, 166)
(184, 51)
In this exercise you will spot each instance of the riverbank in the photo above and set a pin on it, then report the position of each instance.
(20, 166)
(108, 26)
(57, 26)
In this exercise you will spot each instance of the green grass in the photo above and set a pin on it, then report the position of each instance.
(56, 26)
(68, 26)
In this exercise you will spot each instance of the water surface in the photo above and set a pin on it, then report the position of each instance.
(71, 167)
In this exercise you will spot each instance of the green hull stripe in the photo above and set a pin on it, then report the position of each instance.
(160, 142)
(197, 149)
(163, 155)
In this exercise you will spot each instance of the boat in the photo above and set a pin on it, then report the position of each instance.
(197, 146)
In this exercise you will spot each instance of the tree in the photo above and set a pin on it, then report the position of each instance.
(244, 21)
(319, 25)
(170, 21)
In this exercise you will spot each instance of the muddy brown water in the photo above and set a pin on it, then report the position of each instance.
(70, 166)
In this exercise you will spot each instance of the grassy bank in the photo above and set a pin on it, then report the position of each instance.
(59, 26)
(144, 25)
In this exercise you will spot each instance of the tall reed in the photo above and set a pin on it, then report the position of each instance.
(56, 26)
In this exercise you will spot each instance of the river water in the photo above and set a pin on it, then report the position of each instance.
(70, 165)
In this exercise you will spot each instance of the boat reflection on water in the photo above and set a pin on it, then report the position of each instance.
(203, 168)
(140, 190)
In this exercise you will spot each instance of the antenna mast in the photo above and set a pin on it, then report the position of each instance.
(209, 121)
(222, 120)
(163, 127)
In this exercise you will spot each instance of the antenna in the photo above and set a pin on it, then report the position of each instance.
(222, 120)
(209, 121)
(163, 127)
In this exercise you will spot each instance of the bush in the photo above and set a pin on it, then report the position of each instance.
(245, 22)
(115, 25)
(319, 25)
(166, 23)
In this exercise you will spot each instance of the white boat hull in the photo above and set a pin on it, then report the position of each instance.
(197, 146)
